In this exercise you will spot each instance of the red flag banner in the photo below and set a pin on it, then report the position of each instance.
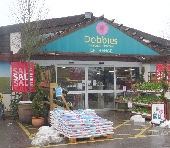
(20, 77)
(160, 72)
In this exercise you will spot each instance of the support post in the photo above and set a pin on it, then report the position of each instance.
(52, 85)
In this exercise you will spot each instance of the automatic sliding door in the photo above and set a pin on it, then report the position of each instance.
(73, 79)
(100, 87)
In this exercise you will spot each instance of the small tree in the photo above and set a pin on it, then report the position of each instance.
(29, 13)
(141, 78)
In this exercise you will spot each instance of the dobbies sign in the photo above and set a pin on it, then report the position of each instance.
(99, 37)
(20, 77)
(101, 43)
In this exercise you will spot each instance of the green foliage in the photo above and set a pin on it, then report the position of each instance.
(150, 86)
(38, 108)
(165, 86)
(64, 91)
(147, 99)
(38, 78)
(142, 109)
(62, 104)
(141, 76)
(14, 103)
(53, 74)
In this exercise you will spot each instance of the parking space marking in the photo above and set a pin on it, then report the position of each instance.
(123, 134)
(118, 138)
(142, 136)
(136, 129)
(142, 131)
(153, 130)
(26, 131)
(152, 135)
(132, 137)
(126, 121)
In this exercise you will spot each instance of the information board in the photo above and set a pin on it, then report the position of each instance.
(158, 112)
(58, 92)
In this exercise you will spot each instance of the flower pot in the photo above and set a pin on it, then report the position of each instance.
(37, 121)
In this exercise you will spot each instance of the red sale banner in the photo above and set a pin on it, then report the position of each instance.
(160, 72)
(20, 77)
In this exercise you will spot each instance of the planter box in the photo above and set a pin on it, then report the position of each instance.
(25, 113)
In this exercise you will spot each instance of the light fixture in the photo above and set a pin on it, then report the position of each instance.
(130, 69)
(111, 71)
(101, 62)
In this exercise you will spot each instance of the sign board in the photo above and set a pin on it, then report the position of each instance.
(124, 88)
(58, 92)
(20, 76)
(158, 112)
(99, 37)
(129, 104)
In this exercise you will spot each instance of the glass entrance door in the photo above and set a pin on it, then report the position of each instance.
(73, 79)
(100, 87)
(89, 87)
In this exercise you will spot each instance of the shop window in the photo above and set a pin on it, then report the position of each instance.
(126, 76)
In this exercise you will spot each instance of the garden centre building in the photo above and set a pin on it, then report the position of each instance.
(95, 58)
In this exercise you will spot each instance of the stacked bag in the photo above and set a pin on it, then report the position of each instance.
(80, 123)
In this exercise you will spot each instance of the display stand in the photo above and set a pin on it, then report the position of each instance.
(50, 88)
(121, 105)
(143, 105)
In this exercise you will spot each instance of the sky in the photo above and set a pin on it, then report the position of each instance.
(150, 16)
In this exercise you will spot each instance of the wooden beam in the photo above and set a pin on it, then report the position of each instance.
(64, 100)
(52, 86)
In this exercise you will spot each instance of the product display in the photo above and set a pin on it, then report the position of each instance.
(80, 123)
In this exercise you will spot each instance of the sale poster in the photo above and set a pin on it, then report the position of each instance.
(20, 77)
(160, 72)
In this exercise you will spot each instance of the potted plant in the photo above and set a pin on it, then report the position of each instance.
(39, 112)
(38, 108)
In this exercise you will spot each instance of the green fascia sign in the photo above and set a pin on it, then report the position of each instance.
(99, 37)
